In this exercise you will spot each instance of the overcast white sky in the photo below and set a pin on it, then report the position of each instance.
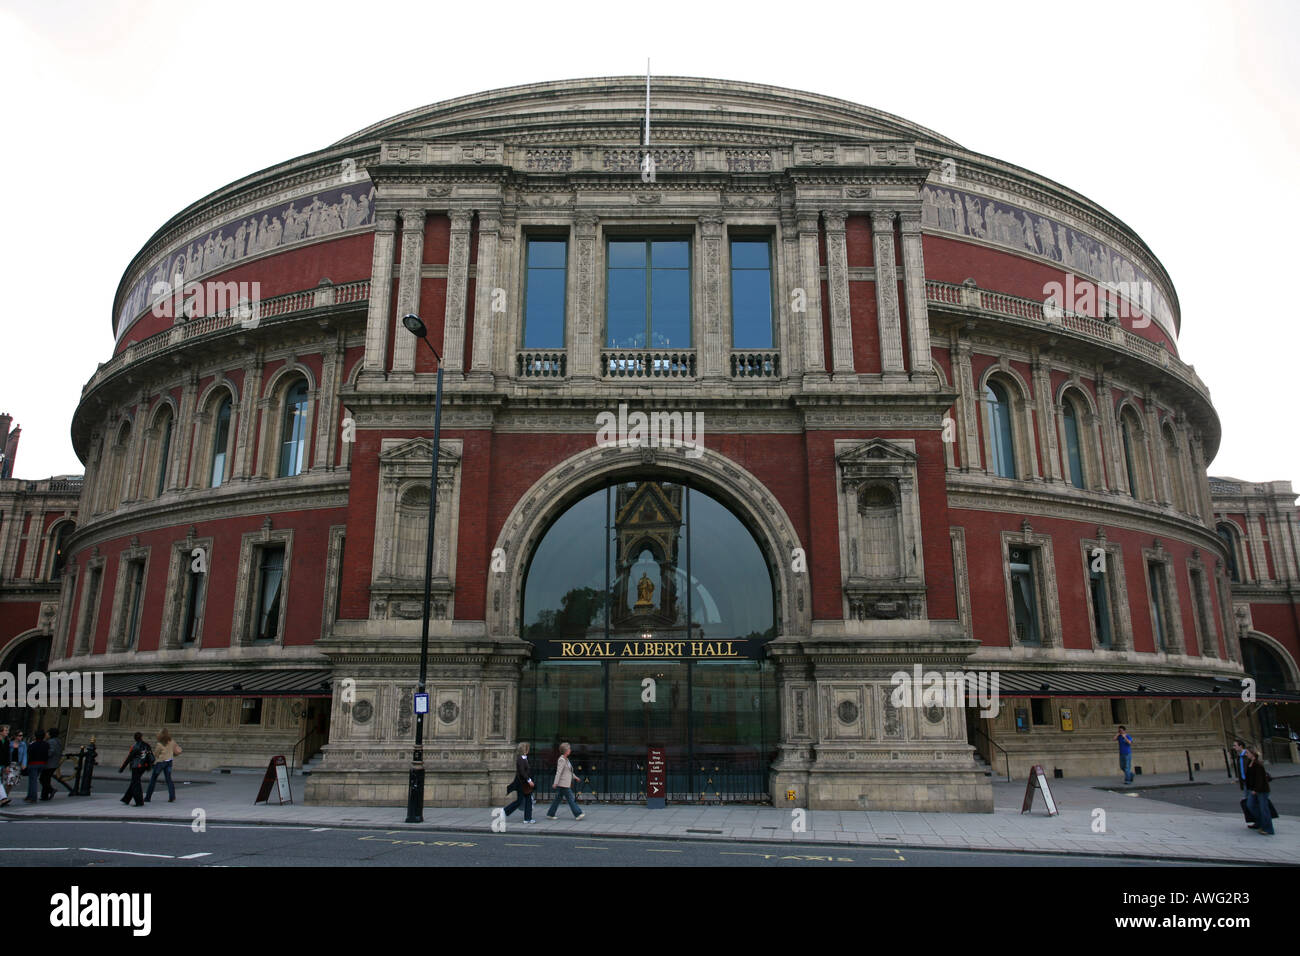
(1183, 119)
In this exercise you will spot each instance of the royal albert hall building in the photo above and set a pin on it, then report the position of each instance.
(877, 446)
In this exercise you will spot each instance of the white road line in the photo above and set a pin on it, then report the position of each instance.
(320, 829)
(95, 849)
(193, 856)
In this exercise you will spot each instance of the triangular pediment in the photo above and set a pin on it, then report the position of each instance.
(875, 451)
(417, 449)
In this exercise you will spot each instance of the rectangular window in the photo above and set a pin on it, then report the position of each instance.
(648, 294)
(88, 609)
(250, 710)
(1042, 712)
(1159, 605)
(135, 603)
(270, 580)
(751, 294)
(115, 711)
(173, 712)
(1024, 596)
(544, 294)
(1117, 708)
(194, 582)
(1101, 610)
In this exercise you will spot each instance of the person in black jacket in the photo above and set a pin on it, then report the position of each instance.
(1257, 792)
(136, 758)
(522, 784)
(37, 751)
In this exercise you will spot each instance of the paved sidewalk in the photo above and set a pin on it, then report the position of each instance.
(1133, 826)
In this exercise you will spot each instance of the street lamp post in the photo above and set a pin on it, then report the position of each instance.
(415, 790)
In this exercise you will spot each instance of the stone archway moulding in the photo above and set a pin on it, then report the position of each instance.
(1279, 649)
(577, 475)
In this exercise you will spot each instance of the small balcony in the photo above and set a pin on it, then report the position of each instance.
(647, 364)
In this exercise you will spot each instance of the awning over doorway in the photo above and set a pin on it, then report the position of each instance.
(1120, 684)
(260, 682)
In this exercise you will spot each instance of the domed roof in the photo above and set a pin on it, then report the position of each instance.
(682, 108)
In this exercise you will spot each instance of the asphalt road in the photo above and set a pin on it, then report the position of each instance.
(94, 843)
(1226, 798)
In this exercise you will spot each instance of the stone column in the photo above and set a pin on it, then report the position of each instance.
(891, 329)
(1047, 440)
(581, 322)
(1111, 439)
(809, 280)
(505, 325)
(1156, 450)
(1201, 481)
(1255, 538)
(790, 335)
(381, 281)
(918, 316)
(245, 449)
(131, 465)
(408, 288)
(453, 336)
(489, 226)
(969, 402)
(712, 335)
(327, 409)
(184, 432)
(837, 287)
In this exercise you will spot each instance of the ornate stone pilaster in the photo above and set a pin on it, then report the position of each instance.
(184, 432)
(485, 286)
(1204, 502)
(251, 392)
(327, 408)
(1160, 476)
(968, 413)
(131, 465)
(1116, 477)
(408, 287)
(790, 337)
(918, 316)
(581, 320)
(711, 338)
(453, 336)
(1047, 439)
(381, 281)
(891, 330)
(837, 286)
(809, 281)
(505, 325)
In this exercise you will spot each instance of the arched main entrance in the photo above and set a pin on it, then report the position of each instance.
(648, 604)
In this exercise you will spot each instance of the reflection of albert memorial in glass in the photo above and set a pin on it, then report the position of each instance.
(648, 525)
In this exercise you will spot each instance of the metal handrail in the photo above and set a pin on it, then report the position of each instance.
(1006, 756)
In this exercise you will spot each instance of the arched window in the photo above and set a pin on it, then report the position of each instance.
(220, 443)
(117, 468)
(293, 431)
(1073, 446)
(1002, 449)
(1135, 458)
(412, 532)
(1229, 539)
(59, 550)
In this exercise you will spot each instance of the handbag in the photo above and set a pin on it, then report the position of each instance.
(528, 788)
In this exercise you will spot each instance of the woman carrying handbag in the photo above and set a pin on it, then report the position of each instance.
(522, 784)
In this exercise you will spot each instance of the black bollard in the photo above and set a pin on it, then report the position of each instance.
(88, 773)
(76, 782)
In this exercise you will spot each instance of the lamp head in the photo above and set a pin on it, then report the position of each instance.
(414, 325)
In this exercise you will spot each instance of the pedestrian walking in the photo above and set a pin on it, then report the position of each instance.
(11, 771)
(1239, 761)
(4, 762)
(53, 757)
(140, 758)
(522, 785)
(564, 785)
(1257, 779)
(167, 750)
(37, 751)
(1125, 753)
